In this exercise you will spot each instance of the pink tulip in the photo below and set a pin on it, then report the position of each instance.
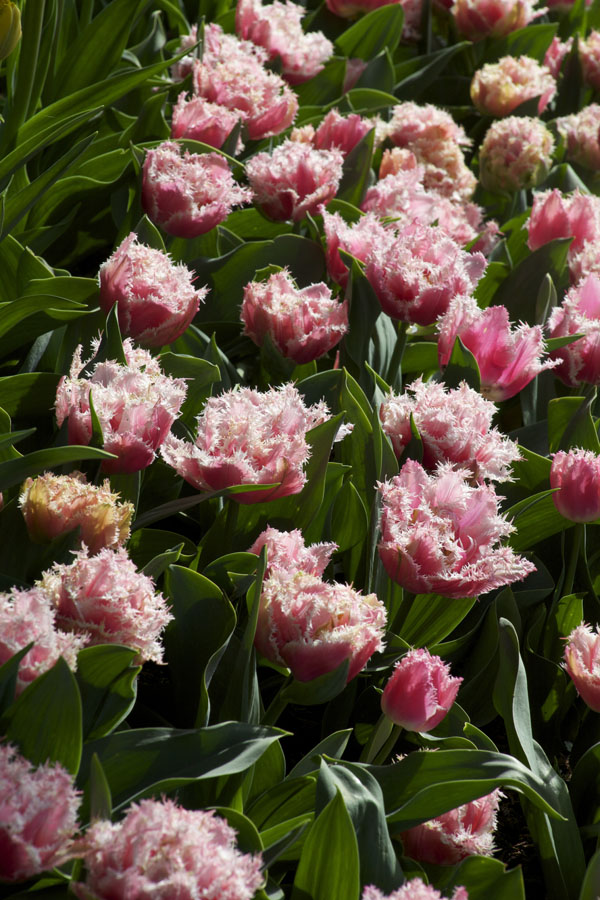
(516, 153)
(38, 815)
(589, 53)
(417, 274)
(278, 29)
(287, 552)
(498, 88)
(556, 215)
(582, 662)
(135, 404)
(341, 132)
(359, 240)
(581, 132)
(294, 179)
(455, 426)
(248, 437)
(160, 851)
(190, 194)
(465, 831)
(415, 889)
(420, 691)
(576, 474)
(302, 323)
(508, 358)
(198, 120)
(156, 299)
(579, 314)
(54, 505)
(186, 64)
(355, 66)
(476, 19)
(26, 616)
(311, 627)
(440, 534)
(108, 601)
(556, 53)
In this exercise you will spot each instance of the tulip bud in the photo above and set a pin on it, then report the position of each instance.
(576, 474)
(420, 691)
(10, 27)
(516, 153)
(582, 662)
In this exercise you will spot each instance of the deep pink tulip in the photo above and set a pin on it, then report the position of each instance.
(576, 474)
(579, 313)
(341, 132)
(498, 88)
(311, 627)
(160, 850)
(556, 53)
(156, 299)
(302, 323)
(581, 132)
(415, 889)
(287, 552)
(557, 215)
(420, 691)
(516, 153)
(476, 19)
(38, 815)
(198, 120)
(439, 534)
(582, 662)
(359, 240)
(508, 358)
(190, 194)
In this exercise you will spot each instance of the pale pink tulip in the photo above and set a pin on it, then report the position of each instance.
(589, 53)
(186, 64)
(415, 889)
(54, 505)
(508, 358)
(341, 132)
(579, 314)
(417, 274)
(302, 323)
(198, 120)
(248, 437)
(465, 831)
(581, 132)
(160, 851)
(582, 662)
(498, 88)
(312, 627)
(576, 474)
(190, 194)
(26, 616)
(556, 53)
(441, 535)
(295, 179)
(278, 29)
(355, 66)
(38, 815)
(136, 404)
(557, 215)
(455, 426)
(360, 240)
(105, 599)
(420, 691)
(287, 552)
(516, 153)
(476, 19)
(155, 298)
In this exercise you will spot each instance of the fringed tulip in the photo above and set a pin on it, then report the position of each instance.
(312, 627)
(341, 132)
(287, 552)
(516, 153)
(441, 535)
(27, 616)
(278, 29)
(155, 298)
(587, 261)
(477, 19)
(302, 323)
(198, 120)
(581, 132)
(54, 505)
(579, 314)
(160, 851)
(105, 599)
(417, 274)
(248, 437)
(415, 889)
(582, 662)
(38, 815)
(555, 54)
(465, 831)
(498, 88)
(188, 195)
(557, 215)
(576, 474)
(455, 426)
(360, 240)
(420, 691)
(136, 404)
(589, 53)
(508, 358)
(293, 180)
(182, 69)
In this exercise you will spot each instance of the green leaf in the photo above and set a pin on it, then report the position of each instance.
(428, 618)
(100, 797)
(590, 888)
(45, 720)
(14, 471)
(333, 746)
(200, 375)
(380, 28)
(318, 690)
(349, 518)
(533, 40)
(519, 290)
(357, 166)
(415, 77)
(8, 677)
(570, 424)
(106, 675)
(325, 87)
(329, 864)
(486, 879)
(462, 366)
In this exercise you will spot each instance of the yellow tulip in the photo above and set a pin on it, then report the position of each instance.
(10, 27)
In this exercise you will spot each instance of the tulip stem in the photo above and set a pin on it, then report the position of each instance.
(379, 737)
(277, 705)
(573, 560)
(388, 746)
(395, 366)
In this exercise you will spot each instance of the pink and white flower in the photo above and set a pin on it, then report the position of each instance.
(359, 239)
(420, 691)
(190, 194)
(160, 851)
(302, 323)
(556, 53)
(38, 815)
(581, 132)
(476, 19)
(576, 474)
(415, 889)
(582, 662)
(442, 535)
(516, 153)
(248, 437)
(136, 404)
(156, 299)
(287, 552)
(557, 215)
(198, 120)
(579, 313)
(589, 53)
(341, 132)
(498, 88)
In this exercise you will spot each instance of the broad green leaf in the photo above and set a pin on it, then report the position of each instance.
(317, 690)
(325, 87)
(535, 518)
(519, 290)
(411, 86)
(357, 166)
(106, 675)
(486, 879)
(333, 746)
(590, 888)
(14, 471)
(380, 28)
(349, 518)
(100, 798)
(8, 677)
(462, 366)
(428, 618)
(570, 424)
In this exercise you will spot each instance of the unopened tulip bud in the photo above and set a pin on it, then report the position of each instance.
(420, 691)
(516, 153)
(576, 474)
(10, 27)
(582, 662)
